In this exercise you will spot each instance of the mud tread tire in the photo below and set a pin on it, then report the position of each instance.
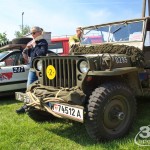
(98, 101)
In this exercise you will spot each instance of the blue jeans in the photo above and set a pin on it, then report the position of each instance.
(31, 77)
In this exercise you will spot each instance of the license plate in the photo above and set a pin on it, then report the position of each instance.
(68, 111)
(22, 97)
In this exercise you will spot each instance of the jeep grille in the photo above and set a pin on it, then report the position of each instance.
(65, 72)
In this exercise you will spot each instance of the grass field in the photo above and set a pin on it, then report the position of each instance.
(19, 132)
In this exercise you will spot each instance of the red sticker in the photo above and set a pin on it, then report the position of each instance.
(6, 76)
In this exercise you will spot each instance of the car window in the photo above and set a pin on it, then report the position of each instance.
(147, 39)
(2, 54)
(14, 60)
(21, 60)
(9, 61)
(56, 47)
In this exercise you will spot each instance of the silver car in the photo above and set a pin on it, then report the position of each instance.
(13, 70)
(13, 67)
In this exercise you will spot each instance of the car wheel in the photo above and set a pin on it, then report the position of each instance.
(110, 111)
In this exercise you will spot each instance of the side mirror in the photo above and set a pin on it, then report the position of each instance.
(2, 64)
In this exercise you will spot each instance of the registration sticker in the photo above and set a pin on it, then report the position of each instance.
(68, 111)
(18, 69)
(50, 72)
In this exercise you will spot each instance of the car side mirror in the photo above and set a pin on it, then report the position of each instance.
(2, 64)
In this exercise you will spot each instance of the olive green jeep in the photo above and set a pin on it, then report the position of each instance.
(97, 84)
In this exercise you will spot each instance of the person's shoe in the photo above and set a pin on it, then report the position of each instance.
(21, 110)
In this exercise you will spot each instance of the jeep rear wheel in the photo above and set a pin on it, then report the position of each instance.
(110, 112)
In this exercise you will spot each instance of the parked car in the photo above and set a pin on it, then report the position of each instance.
(13, 67)
(60, 45)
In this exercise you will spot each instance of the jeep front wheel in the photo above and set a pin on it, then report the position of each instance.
(110, 111)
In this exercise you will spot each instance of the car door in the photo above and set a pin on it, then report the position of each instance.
(13, 76)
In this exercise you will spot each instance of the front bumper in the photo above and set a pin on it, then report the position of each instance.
(23, 97)
(55, 106)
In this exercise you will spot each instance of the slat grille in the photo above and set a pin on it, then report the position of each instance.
(65, 72)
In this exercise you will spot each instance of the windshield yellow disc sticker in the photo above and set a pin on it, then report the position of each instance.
(50, 72)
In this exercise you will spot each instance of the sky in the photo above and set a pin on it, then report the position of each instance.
(61, 17)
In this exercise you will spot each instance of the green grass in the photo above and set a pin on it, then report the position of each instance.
(19, 132)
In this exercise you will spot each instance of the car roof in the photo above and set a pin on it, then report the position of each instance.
(13, 46)
(14, 50)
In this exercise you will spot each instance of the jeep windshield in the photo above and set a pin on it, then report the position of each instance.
(121, 32)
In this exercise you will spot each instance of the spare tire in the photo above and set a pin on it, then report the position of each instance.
(23, 40)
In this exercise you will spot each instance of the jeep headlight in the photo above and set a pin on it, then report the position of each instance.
(83, 66)
(39, 65)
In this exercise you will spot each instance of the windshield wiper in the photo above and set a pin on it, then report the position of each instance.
(90, 30)
(119, 28)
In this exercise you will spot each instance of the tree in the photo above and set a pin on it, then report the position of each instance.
(3, 37)
(26, 30)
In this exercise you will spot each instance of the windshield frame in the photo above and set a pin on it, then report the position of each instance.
(140, 35)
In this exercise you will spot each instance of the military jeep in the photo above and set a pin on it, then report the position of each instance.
(97, 84)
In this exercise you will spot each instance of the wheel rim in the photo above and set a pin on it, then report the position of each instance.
(115, 114)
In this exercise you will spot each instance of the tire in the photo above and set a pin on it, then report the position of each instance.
(24, 40)
(110, 112)
(39, 116)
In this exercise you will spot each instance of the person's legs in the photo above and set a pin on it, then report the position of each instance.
(31, 78)
(22, 109)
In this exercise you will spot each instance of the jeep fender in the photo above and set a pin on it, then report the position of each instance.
(127, 74)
